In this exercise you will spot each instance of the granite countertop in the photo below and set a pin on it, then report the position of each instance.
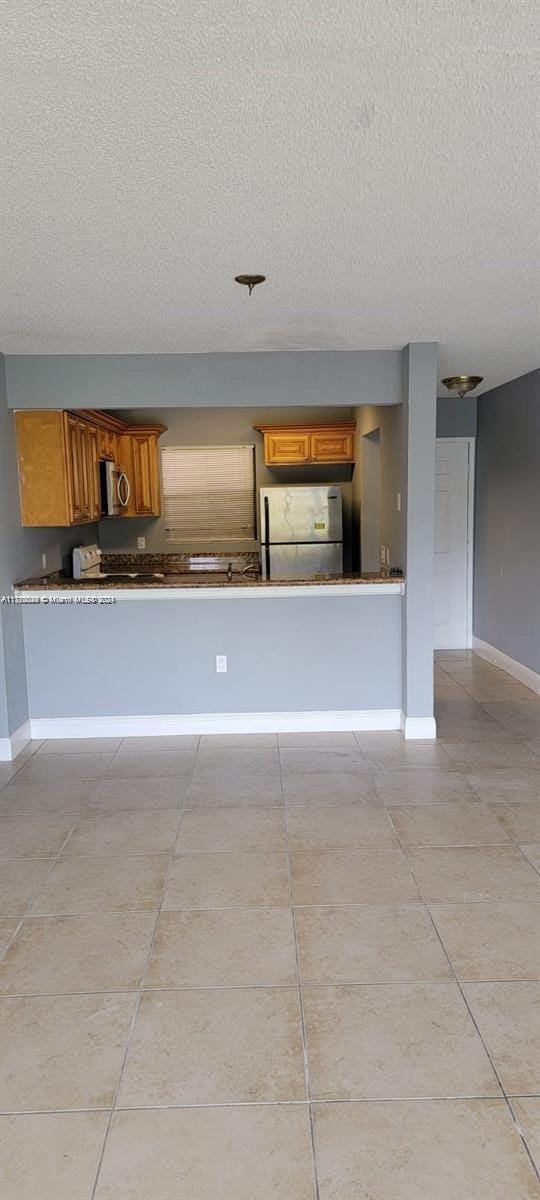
(57, 580)
(129, 571)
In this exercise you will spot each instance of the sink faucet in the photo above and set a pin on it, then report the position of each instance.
(229, 572)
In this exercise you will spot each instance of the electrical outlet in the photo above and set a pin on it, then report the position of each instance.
(141, 543)
(44, 562)
(383, 555)
(221, 664)
(398, 502)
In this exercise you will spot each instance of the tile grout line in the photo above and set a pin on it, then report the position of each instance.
(181, 810)
(307, 1081)
(273, 1104)
(141, 989)
(524, 856)
(257, 987)
(24, 760)
(27, 912)
(54, 861)
(136, 1007)
(486, 1050)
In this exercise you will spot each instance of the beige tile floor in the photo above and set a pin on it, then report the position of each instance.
(294, 967)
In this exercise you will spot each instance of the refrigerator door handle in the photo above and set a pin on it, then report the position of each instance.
(267, 536)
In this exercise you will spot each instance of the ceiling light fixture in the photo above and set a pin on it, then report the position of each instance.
(250, 281)
(462, 383)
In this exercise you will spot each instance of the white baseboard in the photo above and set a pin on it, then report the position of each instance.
(262, 722)
(11, 746)
(512, 667)
(418, 728)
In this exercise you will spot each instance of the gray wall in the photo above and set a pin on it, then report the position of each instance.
(204, 380)
(418, 417)
(393, 452)
(220, 427)
(456, 416)
(4, 718)
(507, 520)
(304, 653)
(20, 556)
(285, 654)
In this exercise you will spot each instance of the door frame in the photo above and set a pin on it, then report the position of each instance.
(471, 443)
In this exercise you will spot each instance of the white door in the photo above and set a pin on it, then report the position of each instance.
(453, 533)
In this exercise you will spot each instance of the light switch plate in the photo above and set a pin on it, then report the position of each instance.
(221, 664)
(141, 543)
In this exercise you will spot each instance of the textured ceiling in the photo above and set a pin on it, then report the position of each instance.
(374, 158)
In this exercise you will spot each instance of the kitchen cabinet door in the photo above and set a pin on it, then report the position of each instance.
(85, 451)
(107, 444)
(76, 471)
(332, 446)
(82, 451)
(43, 456)
(281, 449)
(144, 479)
(93, 472)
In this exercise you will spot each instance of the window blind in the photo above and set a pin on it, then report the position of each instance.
(208, 493)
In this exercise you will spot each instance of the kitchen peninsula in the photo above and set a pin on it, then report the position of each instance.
(155, 651)
(175, 573)
(309, 654)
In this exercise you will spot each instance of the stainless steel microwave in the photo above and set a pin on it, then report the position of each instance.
(114, 488)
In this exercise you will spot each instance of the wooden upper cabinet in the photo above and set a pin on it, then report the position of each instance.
(286, 448)
(145, 475)
(138, 459)
(332, 446)
(48, 460)
(288, 445)
(59, 455)
(82, 461)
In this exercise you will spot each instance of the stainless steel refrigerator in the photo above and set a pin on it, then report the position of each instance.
(301, 531)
